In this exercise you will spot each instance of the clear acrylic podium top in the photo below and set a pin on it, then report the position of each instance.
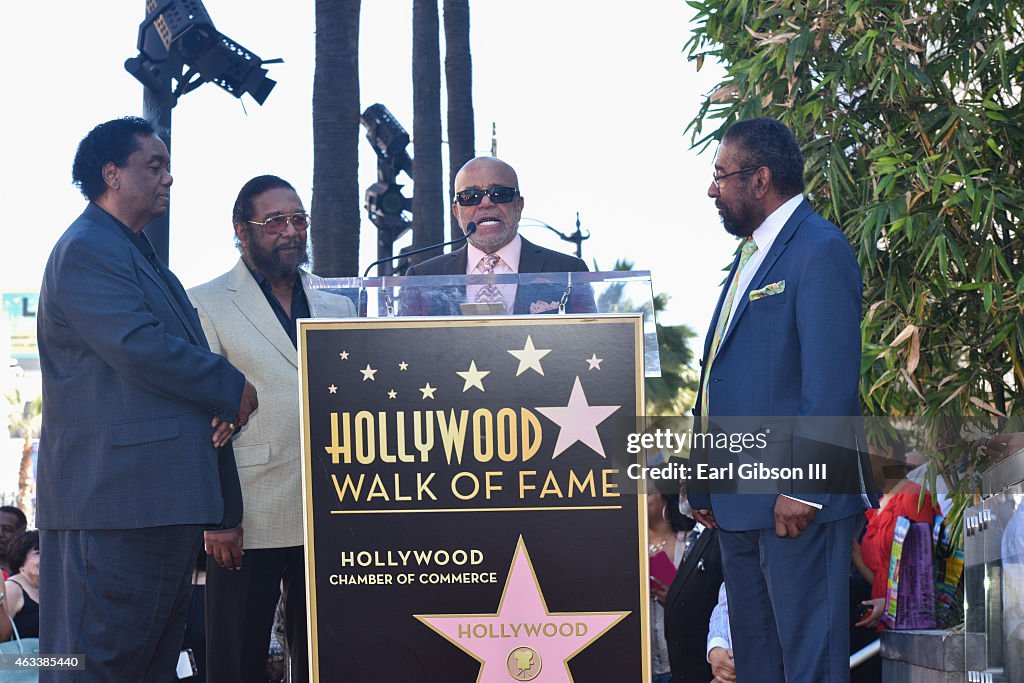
(533, 294)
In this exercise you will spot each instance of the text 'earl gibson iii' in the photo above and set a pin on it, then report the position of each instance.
(458, 438)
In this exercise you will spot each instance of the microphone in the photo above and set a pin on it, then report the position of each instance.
(470, 229)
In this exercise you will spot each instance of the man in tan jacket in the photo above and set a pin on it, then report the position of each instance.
(249, 316)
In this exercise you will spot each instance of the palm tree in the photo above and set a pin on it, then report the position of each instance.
(458, 72)
(428, 192)
(336, 197)
(25, 420)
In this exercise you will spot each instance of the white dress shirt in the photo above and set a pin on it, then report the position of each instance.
(508, 263)
(718, 627)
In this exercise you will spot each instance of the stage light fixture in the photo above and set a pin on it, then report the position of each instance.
(387, 136)
(180, 33)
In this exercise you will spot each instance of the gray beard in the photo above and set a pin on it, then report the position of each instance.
(492, 243)
(271, 266)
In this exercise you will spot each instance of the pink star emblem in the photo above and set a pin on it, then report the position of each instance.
(578, 421)
(524, 640)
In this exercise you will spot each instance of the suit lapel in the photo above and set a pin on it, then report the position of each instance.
(714, 320)
(143, 264)
(779, 246)
(455, 263)
(531, 260)
(692, 560)
(531, 257)
(186, 312)
(250, 300)
(189, 323)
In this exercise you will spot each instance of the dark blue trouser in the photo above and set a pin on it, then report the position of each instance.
(789, 609)
(119, 597)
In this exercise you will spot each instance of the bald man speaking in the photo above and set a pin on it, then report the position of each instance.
(487, 193)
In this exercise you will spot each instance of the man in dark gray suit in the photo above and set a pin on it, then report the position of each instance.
(487, 194)
(135, 407)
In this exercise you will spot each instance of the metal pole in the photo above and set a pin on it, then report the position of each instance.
(578, 237)
(865, 653)
(385, 250)
(156, 108)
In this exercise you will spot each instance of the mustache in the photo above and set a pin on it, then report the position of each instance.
(294, 244)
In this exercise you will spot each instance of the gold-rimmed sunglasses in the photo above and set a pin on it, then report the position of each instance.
(275, 225)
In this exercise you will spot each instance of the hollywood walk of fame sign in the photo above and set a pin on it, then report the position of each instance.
(468, 514)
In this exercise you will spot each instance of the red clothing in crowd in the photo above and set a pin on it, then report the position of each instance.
(876, 546)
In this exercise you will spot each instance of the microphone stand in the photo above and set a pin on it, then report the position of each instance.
(470, 229)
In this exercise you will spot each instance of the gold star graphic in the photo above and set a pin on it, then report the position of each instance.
(473, 377)
(368, 373)
(392, 394)
(343, 355)
(594, 362)
(529, 357)
(333, 389)
(428, 391)
(403, 366)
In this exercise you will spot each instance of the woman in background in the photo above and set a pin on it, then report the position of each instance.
(901, 498)
(21, 591)
(667, 532)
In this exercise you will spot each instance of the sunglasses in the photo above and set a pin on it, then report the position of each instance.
(499, 194)
(275, 225)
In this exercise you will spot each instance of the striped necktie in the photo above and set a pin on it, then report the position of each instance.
(746, 251)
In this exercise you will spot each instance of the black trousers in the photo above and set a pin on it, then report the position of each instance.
(240, 608)
(118, 597)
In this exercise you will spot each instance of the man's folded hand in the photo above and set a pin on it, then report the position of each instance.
(225, 547)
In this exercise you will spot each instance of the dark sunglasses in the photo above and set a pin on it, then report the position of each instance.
(499, 194)
(275, 225)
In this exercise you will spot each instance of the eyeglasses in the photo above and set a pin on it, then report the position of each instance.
(499, 194)
(275, 225)
(717, 180)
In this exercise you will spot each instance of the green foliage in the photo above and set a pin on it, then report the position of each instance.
(675, 391)
(911, 118)
(24, 417)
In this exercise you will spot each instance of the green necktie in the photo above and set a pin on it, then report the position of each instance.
(746, 251)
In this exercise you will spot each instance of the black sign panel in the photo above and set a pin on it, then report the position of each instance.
(468, 514)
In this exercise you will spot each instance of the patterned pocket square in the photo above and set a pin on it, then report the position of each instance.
(771, 290)
(543, 306)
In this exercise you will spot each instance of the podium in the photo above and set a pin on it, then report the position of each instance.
(468, 513)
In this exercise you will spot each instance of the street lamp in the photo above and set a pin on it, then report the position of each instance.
(575, 237)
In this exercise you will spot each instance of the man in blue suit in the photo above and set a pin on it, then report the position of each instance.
(782, 360)
(135, 407)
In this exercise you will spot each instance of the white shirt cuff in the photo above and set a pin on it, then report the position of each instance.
(817, 506)
(717, 641)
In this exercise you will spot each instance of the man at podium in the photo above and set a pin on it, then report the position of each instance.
(487, 195)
